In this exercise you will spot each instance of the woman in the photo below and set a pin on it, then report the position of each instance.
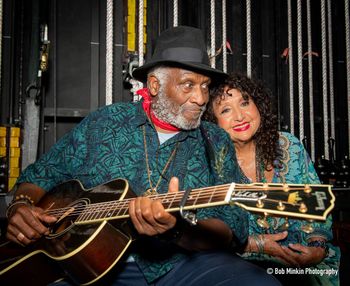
(243, 108)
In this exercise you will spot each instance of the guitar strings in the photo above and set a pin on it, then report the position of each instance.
(120, 206)
(112, 204)
(109, 205)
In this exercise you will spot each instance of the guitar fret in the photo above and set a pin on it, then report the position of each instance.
(94, 213)
(166, 201)
(211, 196)
(200, 197)
(83, 215)
(89, 214)
(172, 201)
(125, 209)
(110, 211)
(197, 196)
(121, 205)
(105, 212)
(193, 198)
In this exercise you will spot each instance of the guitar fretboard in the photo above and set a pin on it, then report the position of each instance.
(293, 200)
(198, 198)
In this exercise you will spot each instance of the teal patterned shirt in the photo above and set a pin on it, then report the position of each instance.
(109, 144)
(297, 168)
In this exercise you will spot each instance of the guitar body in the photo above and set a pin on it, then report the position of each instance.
(85, 252)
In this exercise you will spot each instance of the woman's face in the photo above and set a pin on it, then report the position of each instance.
(239, 117)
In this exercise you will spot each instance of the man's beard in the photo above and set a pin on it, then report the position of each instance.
(172, 113)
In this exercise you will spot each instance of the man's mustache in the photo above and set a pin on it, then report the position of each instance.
(194, 109)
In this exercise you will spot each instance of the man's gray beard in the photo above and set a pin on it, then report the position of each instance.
(170, 112)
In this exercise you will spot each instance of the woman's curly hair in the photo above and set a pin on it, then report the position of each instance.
(266, 137)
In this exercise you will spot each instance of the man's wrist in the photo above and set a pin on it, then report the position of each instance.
(174, 234)
(237, 246)
(17, 201)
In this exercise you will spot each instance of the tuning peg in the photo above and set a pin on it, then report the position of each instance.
(307, 228)
(307, 189)
(285, 225)
(281, 206)
(303, 208)
(259, 203)
(285, 188)
(262, 222)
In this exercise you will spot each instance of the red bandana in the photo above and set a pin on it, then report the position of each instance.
(146, 104)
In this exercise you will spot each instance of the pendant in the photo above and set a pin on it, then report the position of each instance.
(307, 228)
(150, 192)
(285, 225)
(262, 222)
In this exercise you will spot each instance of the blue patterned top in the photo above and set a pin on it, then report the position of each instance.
(297, 168)
(108, 144)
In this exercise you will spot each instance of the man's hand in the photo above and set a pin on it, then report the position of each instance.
(27, 224)
(149, 216)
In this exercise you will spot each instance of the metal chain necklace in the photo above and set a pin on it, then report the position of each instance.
(259, 168)
(153, 190)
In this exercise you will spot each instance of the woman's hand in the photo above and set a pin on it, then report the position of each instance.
(271, 247)
(305, 255)
(295, 255)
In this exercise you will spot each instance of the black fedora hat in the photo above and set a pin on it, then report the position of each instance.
(182, 47)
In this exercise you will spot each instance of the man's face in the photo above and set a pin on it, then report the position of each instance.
(181, 98)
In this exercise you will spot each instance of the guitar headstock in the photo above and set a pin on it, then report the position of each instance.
(312, 202)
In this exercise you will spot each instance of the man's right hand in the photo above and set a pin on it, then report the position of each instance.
(27, 224)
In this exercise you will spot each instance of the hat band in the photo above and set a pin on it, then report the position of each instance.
(184, 54)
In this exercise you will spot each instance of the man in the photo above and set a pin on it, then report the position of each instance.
(159, 145)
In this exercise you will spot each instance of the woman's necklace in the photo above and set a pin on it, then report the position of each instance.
(259, 169)
(153, 190)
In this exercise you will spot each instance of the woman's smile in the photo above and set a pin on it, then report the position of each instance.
(241, 127)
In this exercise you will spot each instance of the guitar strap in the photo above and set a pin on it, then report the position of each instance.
(209, 151)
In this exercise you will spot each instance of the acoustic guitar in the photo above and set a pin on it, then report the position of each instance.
(91, 233)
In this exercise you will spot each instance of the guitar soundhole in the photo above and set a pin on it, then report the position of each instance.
(67, 217)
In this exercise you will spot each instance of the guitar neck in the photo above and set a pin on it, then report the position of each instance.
(119, 209)
(312, 202)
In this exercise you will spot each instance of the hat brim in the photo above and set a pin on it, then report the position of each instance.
(140, 73)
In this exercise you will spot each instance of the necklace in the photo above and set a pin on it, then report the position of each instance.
(153, 190)
(259, 169)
